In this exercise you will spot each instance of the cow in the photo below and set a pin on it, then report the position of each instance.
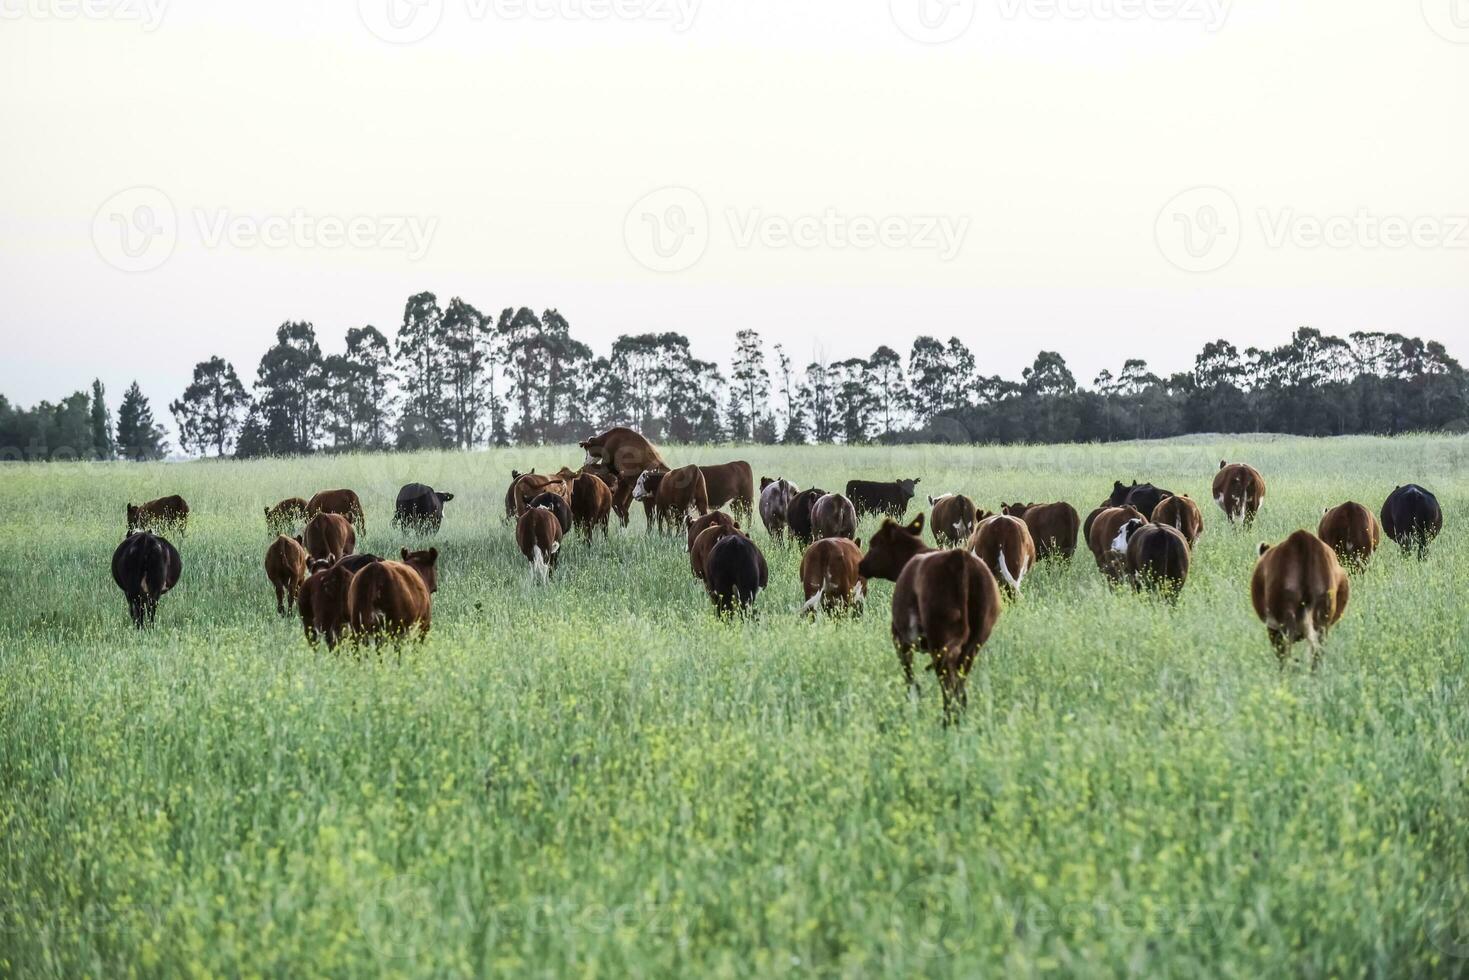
(323, 600)
(891, 548)
(697, 525)
(1086, 526)
(1143, 496)
(829, 576)
(558, 506)
(538, 535)
(627, 454)
(392, 598)
(890, 498)
(798, 514)
(1239, 489)
(1299, 590)
(833, 516)
(734, 574)
(1004, 544)
(145, 567)
(775, 501)
(1411, 517)
(1351, 531)
(1053, 527)
(1183, 515)
(704, 543)
(945, 604)
(1156, 557)
(420, 507)
(286, 516)
(591, 504)
(1109, 551)
(673, 493)
(343, 502)
(733, 484)
(285, 567)
(169, 513)
(526, 487)
(952, 519)
(328, 537)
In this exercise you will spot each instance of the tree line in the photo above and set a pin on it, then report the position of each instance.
(454, 377)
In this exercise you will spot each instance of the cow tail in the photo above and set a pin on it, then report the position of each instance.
(813, 603)
(154, 573)
(538, 567)
(1010, 580)
(365, 615)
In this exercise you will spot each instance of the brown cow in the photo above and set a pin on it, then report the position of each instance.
(286, 516)
(538, 535)
(952, 519)
(323, 601)
(390, 598)
(628, 455)
(285, 567)
(1239, 489)
(1352, 531)
(1053, 527)
(1299, 591)
(733, 484)
(704, 543)
(674, 493)
(798, 514)
(343, 502)
(528, 486)
(697, 525)
(833, 516)
(1109, 551)
(1004, 544)
(1181, 514)
(591, 504)
(1157, 557)
(945, 603)
(328, 537)
(829, 576)
(164, 514)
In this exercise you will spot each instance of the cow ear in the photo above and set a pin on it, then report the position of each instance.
(1222, 464)
(405, 554)
(765, 481)
(299, 541)
(1264, 547)
(857, 542)
(446, 497)
(433, 555)
(916, 527)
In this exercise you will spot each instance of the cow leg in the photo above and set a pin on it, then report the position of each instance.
(1282, 646)
(280, 599)
(905, 658)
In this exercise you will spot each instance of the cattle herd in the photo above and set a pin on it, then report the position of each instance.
(946, 599)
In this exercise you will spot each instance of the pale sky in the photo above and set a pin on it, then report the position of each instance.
(1106, 178)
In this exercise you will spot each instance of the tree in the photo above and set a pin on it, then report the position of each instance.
(794, 430)
(854, 400)
(290, 383)
(423, 369)
(103, 446)
(358, 391)
(751, 380)
(927, 370)
(212, 408)
(139, 438)
(468, 340)
(889, 388)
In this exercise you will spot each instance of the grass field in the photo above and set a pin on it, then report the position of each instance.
(599, 778)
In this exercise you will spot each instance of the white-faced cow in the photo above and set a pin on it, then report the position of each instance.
(1239, 490)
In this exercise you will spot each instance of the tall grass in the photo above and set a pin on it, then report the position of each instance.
(601, 778)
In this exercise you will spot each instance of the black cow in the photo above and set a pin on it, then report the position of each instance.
(798, 514)
(421, 508)
(1143, 496)
(734, 573)
(889, 498)
(145, 567)
(557, 505)
(1411, 517)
